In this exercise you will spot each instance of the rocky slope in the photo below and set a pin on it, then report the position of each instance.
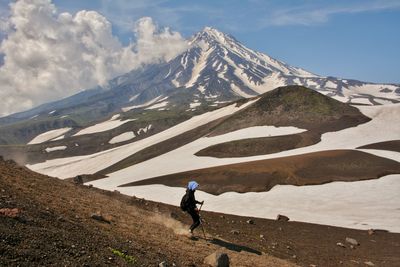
(46, 221)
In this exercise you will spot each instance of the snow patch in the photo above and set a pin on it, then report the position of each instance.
(383, 101)
(360, 100)
(144, 130)
(195, 104)
(102, 127)
(158, 105)
(58, 138)
(122, 137)
(125, 109)
(331, 84)
(48, 136)
(114, 117)
(199, 66)
(55, 148)
(133, 97)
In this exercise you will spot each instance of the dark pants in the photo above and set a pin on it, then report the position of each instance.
(196, 219)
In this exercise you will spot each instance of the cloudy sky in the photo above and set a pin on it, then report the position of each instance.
(53, 48)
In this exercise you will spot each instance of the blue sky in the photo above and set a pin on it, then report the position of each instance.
(357, 39)
(349, 39)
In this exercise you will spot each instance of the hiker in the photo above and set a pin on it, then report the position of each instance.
(188, 204)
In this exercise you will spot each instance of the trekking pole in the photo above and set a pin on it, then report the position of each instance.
(201, 223)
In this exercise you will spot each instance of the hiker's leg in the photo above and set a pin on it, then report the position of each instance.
(196, 219)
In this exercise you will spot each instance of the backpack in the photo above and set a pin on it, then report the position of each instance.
(184, 202)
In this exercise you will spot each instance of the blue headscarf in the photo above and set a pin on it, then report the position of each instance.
(192, 185)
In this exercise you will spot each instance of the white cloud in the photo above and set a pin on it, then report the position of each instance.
(316, 14)
(50, 55)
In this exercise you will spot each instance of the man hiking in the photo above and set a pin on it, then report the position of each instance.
(188, 204)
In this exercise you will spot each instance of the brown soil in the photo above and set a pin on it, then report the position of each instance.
(307, 169)
(393, 145)
(260, 146)
(54, 228)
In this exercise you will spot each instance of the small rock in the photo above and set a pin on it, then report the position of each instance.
(369, 263)
(261, 236)
(340, 245)
(352, 241)
(90, 185)
(282, 218)
(250, 221)
(235, 232)
(78, 179)
(294, 257)
(313, 265)
(217, 259)
(371, 231)
(117, 192)
(163, 264)
(99, 217)
(11, 213)
(222, 217)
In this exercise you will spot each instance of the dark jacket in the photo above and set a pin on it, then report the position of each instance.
(191, 204)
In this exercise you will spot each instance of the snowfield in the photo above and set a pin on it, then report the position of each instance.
(102, 127)
(122, 137)
(364, 204)
(361, 205)
(41, 138)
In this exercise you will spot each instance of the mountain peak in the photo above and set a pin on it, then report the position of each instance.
(212, 36)
(212, 31)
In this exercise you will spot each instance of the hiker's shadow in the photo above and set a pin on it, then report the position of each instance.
(234, 247)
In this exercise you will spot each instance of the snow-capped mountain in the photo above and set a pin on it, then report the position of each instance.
(215, 69)
(218, 67)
